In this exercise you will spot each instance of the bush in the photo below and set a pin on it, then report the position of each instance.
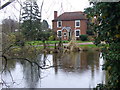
(90, 32)
(20, 39)
(84, 37)
(51, 38)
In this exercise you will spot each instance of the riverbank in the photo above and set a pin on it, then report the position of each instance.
(69, 47)
(55, 47)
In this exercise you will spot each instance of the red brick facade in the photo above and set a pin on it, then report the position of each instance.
(70, 22)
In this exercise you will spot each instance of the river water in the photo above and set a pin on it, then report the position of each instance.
(71, 70)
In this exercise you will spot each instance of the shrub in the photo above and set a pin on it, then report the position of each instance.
(91, 38)
(51, 38)
(84, 37)
(90, 32)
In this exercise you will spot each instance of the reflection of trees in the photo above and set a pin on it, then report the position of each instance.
(11, 64)
(93, 61)
(77, 61)
(32, 74)
(55, 62)
(68, 61)
(26, 56)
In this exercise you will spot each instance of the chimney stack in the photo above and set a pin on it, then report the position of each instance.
(55, 14)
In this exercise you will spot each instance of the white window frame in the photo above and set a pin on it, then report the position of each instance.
(58, 24)
(76, 22)
(57, 33)
(79, 32)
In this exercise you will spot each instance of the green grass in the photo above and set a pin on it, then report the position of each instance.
(50, 42)
(40, 42)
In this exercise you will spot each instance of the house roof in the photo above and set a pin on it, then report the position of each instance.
(68, 16)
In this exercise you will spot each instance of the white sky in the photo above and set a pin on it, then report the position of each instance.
(49, 7)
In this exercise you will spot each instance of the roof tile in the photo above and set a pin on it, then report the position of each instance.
(66, 16)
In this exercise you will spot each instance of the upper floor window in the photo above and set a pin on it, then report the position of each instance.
(77, 23)
(59, 24)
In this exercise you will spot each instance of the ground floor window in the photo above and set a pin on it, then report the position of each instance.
(77, 33)
(59, 33)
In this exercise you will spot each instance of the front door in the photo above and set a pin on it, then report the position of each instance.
(64, 35)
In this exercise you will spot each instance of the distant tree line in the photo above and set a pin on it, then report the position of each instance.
(9, 26)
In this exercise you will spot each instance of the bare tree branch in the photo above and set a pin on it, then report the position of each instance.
(41, 8)
(6, 49)
(6, 4)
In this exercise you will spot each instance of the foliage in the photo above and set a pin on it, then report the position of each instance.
(106, 25)
(45, 25)
(90, 16)
(32, 27)
(84, 37)
(20, 39)
(31, 21)
(11, 40)
(51, 38)
(45, 34)
(15, 39)
(90, 32)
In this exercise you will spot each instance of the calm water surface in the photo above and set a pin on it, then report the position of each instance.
(73, 70)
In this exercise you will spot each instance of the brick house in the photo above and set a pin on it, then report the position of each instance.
(69, 25)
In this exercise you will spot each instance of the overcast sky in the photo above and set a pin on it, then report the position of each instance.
(49, 7)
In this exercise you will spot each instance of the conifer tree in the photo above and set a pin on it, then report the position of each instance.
(31, 20)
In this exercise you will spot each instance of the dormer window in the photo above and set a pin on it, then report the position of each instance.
(77, 23)
(59, 24)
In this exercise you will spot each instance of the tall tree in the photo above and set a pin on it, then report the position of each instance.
(45, 25)
(31, 20)
(90, 17)
(107, 28)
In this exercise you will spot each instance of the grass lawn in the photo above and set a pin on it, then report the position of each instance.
(50, 42)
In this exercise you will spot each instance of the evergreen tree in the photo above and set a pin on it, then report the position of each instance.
(31, 20)
(45, 25)
(106, 26)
